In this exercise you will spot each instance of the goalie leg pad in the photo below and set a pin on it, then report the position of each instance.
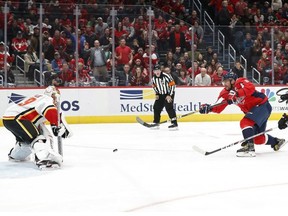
(20, 152)
(46, 133)
(44, 152)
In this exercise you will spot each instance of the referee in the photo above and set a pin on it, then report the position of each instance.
(164, 87)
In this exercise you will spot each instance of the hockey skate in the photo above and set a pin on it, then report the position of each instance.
(247, 150)
(173, 127)
(280, 143)
(46, 164)
(156, 127)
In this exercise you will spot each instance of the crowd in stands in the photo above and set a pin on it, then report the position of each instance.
(247, 26)
(171, 41)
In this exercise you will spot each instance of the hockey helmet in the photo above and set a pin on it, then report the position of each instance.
(230, 75)
(50, 90)
(156, 67)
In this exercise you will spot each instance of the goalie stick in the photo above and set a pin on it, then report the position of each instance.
(140, 121)
(59, 138)
(201, 151)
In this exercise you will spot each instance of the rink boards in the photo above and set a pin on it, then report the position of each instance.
(108, 105)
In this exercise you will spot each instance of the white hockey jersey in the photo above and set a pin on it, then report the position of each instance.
(36, 109)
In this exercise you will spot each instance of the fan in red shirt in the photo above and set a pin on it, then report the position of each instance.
(10, 59)
(19, 44)
(58, 41)
(123, 54)
(83, 74)
(66, 75)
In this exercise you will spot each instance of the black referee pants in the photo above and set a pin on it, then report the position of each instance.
(24, 130)
(160, 104)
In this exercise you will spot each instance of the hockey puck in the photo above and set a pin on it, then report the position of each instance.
(115, 150)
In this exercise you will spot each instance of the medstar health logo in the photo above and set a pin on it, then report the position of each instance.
(270, 94)
(136, 94)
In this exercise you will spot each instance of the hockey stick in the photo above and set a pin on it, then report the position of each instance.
(140, 121)
(201, 151)
(59, 138)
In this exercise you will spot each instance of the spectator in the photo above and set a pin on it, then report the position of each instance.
(128, 27)
(196, 70)
(254, 54)
(203, 79)
(66, 75)
(138, 63)
(98, 62)
(100, 27)
(161, 27)
(72, 63)
(172, 73)
(187, 60)
(184, 79)
(169, 60)
(202, 62)
(139, 78)
(30, 62)
(35, 42)
(84, 77)
(199, 31)
(19, 44)
(263, 62)
(124, 76)
(258, 17)
(216, 78)
(194, 17)
(139, 55)
(123, 54)
(10, 75)
(89, 36)
(278, 57)
(223, 20)
(238, 69)
(177, 54)
(209, 54)
(10, 58)
(58, 41)
(240, 7)
(106, 38)
(247, 44)
(276, 5)
(57, 63)
(140, 25)
(177, 39)
(120, 32)
(278, 74)
(146, 57)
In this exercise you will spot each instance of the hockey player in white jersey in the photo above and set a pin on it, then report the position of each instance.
(26, 121)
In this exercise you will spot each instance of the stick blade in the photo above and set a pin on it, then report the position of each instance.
(140, 121)
(199, 150)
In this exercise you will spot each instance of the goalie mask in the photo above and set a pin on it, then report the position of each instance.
(53, 92)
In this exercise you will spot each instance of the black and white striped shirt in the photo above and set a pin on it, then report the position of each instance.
(164, 84)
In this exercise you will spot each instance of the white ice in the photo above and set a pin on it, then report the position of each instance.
(153, 172)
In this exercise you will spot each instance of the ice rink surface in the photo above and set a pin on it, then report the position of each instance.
(154, 172)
